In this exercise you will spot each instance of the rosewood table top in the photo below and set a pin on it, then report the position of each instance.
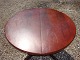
(40, 31)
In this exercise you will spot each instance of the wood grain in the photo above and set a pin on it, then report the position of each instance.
(40, 31)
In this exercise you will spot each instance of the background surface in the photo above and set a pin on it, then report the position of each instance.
(9, 8)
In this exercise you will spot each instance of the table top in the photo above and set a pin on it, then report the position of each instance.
(40, 31)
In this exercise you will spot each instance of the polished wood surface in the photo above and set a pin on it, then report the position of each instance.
(40, 31)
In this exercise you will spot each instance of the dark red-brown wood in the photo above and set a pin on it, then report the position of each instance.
(40, 31)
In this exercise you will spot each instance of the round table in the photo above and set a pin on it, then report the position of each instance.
(40, 31)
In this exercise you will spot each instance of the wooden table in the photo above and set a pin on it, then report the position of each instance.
(40, 31)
